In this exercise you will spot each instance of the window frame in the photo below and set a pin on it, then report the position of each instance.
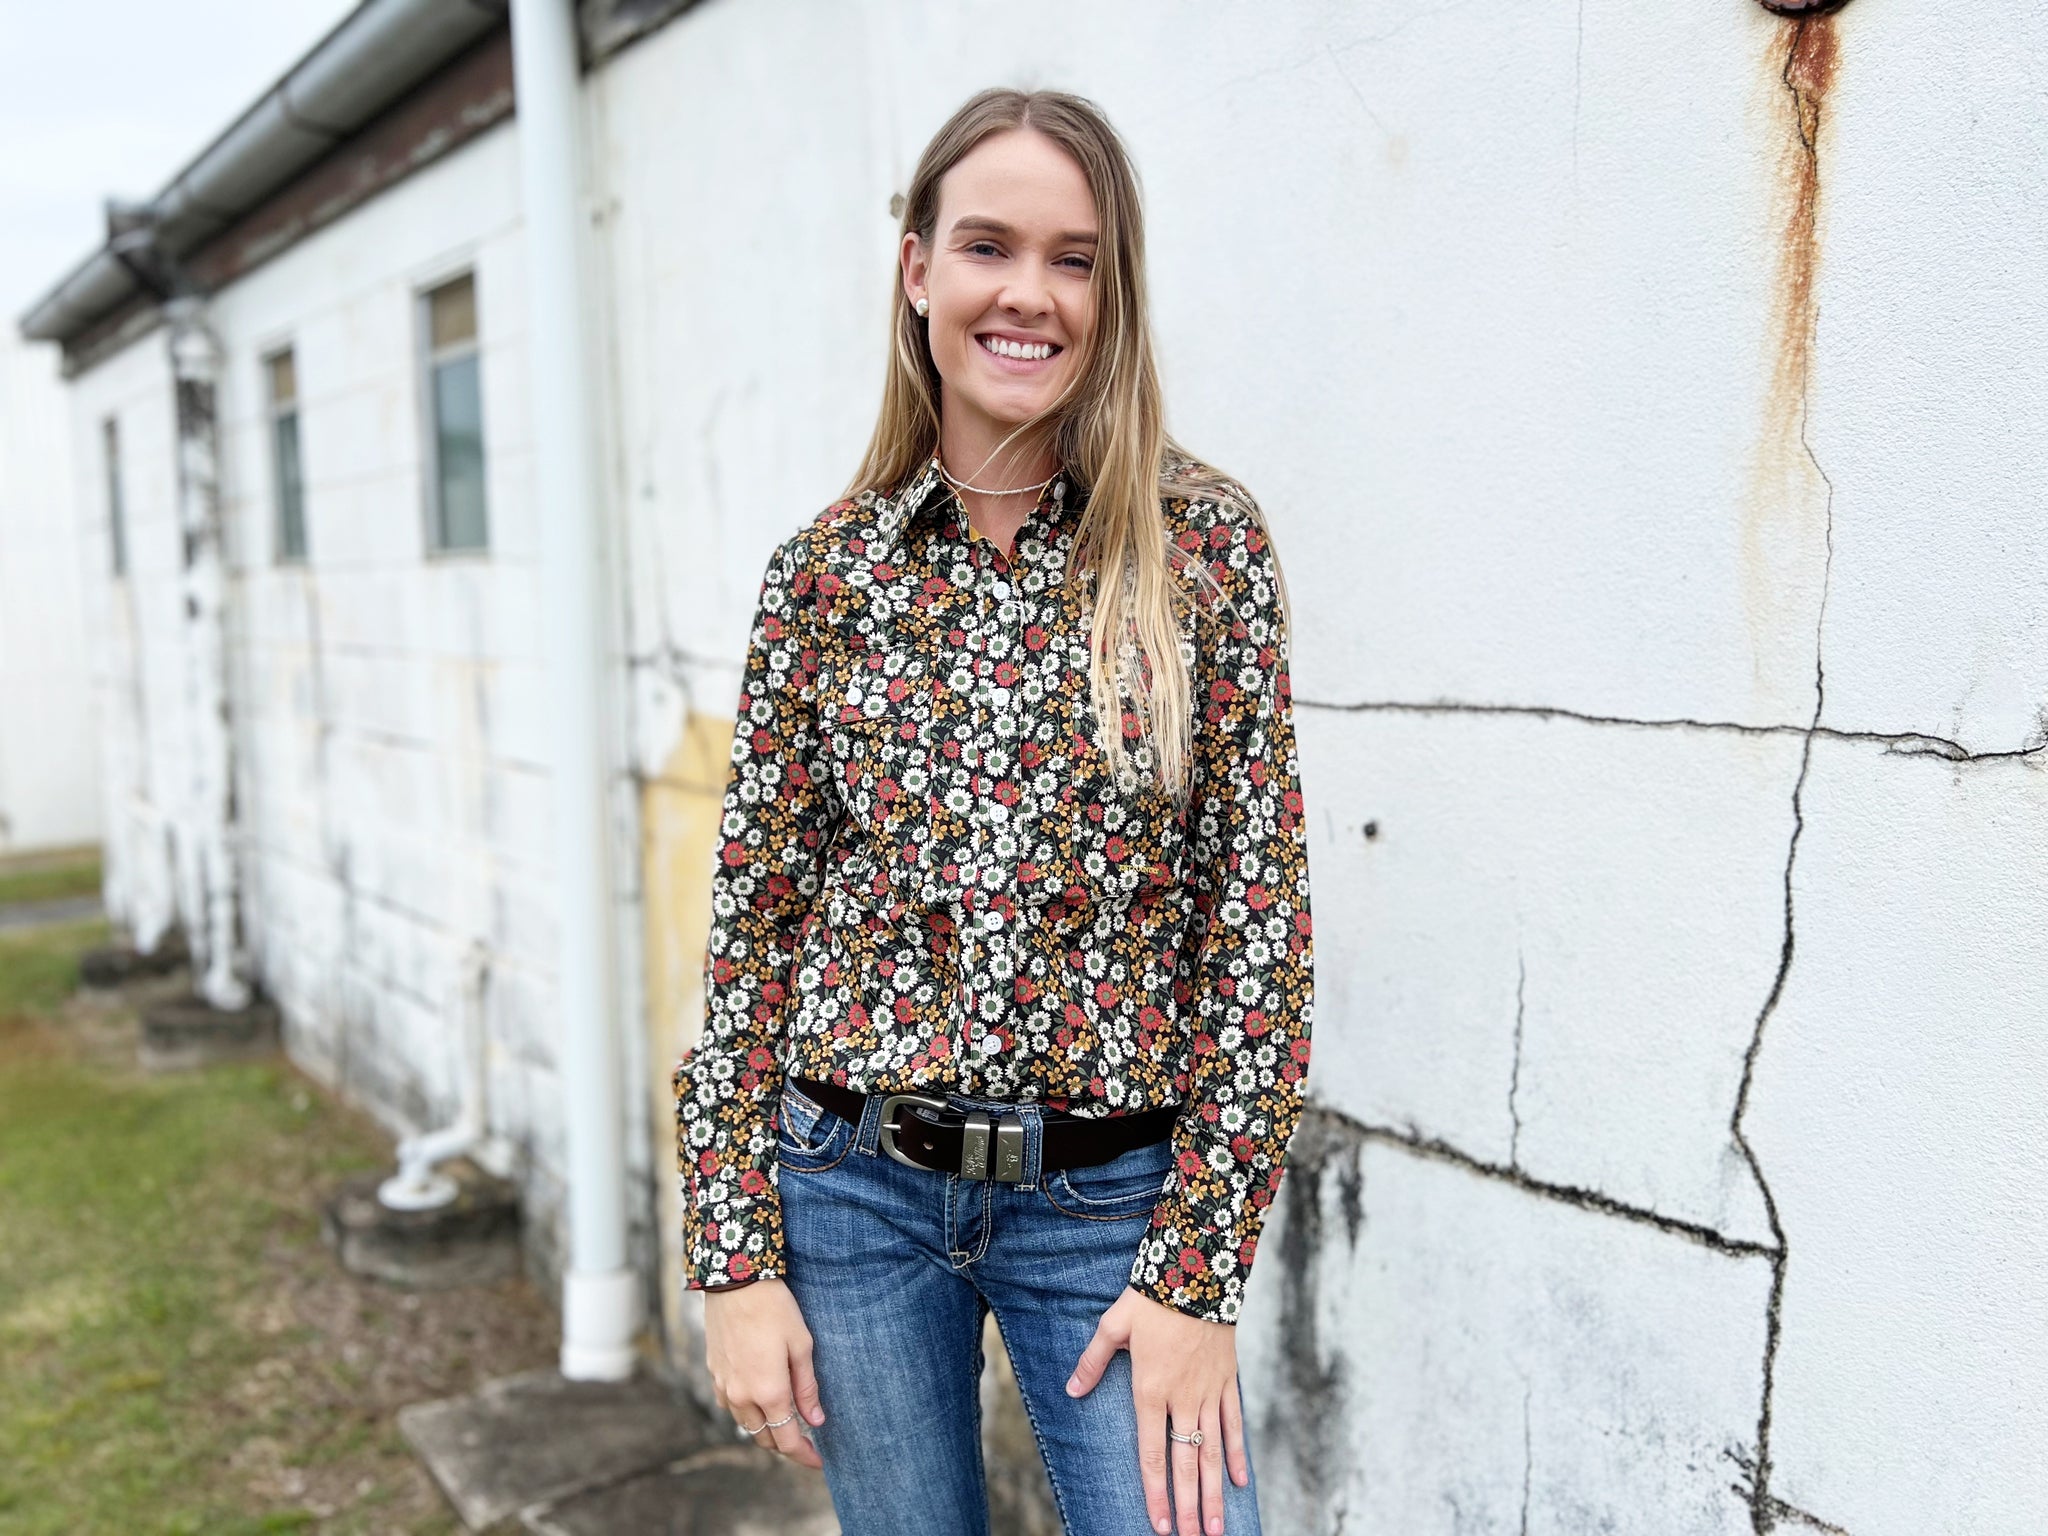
(117, 510)
(281, 552)
(428, 358)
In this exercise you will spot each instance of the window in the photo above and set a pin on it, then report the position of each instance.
(110, 431)
(455, 417)
(287, 477)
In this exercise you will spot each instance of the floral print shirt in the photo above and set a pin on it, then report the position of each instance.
(928, 879)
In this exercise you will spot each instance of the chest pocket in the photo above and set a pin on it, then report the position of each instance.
(875, 716)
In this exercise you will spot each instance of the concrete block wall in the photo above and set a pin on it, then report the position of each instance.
(391, 743)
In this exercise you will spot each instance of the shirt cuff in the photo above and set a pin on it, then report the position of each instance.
(1200, 1266)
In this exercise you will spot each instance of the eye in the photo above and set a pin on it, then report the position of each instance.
(981, 245)
(1085, 264)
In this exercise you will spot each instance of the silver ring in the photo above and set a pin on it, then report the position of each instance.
(1194, 1439)
(745, 1433)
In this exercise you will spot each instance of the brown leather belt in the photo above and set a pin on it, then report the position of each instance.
(921, 1130)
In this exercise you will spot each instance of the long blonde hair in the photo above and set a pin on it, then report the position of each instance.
(1109, 431)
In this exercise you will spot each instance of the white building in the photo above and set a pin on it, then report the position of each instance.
(49, 740)
(1646, 400)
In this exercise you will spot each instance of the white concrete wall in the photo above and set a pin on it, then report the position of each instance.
(134, 629)
(1484, 301)
(49, 747)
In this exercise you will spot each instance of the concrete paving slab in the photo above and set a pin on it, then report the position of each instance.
(37, 914)
(536, 1437)
(735, 1491)
(471, 1240)
(181, 1033)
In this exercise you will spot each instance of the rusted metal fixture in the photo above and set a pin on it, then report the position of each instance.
(1801, 7)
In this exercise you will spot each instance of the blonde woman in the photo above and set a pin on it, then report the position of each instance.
(1010, 972)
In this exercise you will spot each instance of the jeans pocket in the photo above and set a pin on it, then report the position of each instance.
(1126, 1186)
(809, 1137)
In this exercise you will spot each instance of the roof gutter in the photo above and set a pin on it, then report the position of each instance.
(372, 57)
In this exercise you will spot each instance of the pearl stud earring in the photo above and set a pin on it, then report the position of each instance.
(924, 306)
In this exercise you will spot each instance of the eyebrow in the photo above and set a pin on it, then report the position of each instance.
(975, 221)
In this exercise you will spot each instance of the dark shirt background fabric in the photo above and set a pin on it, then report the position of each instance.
(929, 880)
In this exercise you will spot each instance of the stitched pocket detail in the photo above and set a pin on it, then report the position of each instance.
(809, 1137)
(1128, 1185)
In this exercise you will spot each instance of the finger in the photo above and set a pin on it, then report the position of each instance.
(1152, 1460)
(744, 1414)
(1095, 1358)
(788, 1439)
(1211, 1459)
(803, 1380)
(1233, 1436)
(1187, 1493)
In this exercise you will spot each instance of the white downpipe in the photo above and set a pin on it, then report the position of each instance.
(600, 1294)
(418, 1185)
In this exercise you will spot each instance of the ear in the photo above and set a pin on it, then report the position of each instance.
(916, 269)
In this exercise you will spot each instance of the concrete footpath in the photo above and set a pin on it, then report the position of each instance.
(536, 1453)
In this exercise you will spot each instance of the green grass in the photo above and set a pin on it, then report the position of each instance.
(38, 969)
(136, 1214)
(49, 879)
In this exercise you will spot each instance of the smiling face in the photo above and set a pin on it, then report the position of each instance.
(1007, 272)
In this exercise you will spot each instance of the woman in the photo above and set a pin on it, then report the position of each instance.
(1005, 1011)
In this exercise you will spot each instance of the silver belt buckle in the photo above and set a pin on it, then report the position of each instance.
(889, 1125)
(976, 1135)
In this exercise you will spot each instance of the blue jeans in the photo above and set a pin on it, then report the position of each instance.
(894, 1269)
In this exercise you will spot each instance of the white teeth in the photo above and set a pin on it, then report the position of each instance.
(1003, 347)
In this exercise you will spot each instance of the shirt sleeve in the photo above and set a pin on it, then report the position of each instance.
(1247, 972)
(776, 823)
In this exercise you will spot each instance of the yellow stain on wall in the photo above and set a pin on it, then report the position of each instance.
(679, 813)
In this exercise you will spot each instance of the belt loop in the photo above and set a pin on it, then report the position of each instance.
(1034, 1144)
(867, 1136)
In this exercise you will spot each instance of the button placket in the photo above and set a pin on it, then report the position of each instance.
(996, 582)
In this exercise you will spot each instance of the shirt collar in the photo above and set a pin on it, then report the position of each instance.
(926, 491)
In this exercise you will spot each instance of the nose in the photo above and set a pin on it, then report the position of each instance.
(1025, 293)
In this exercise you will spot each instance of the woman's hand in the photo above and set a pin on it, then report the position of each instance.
(1183, 1373)
(759, 1352)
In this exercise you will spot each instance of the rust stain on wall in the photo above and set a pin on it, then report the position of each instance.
(1784, 522)
(1808, 73)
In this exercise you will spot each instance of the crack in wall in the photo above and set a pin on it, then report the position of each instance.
(1895, 743)
(1515, 1080)
(1783, 1511)
(1528, 1461)
(1807, 73)
(1411, 1139)
(1578, 86)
